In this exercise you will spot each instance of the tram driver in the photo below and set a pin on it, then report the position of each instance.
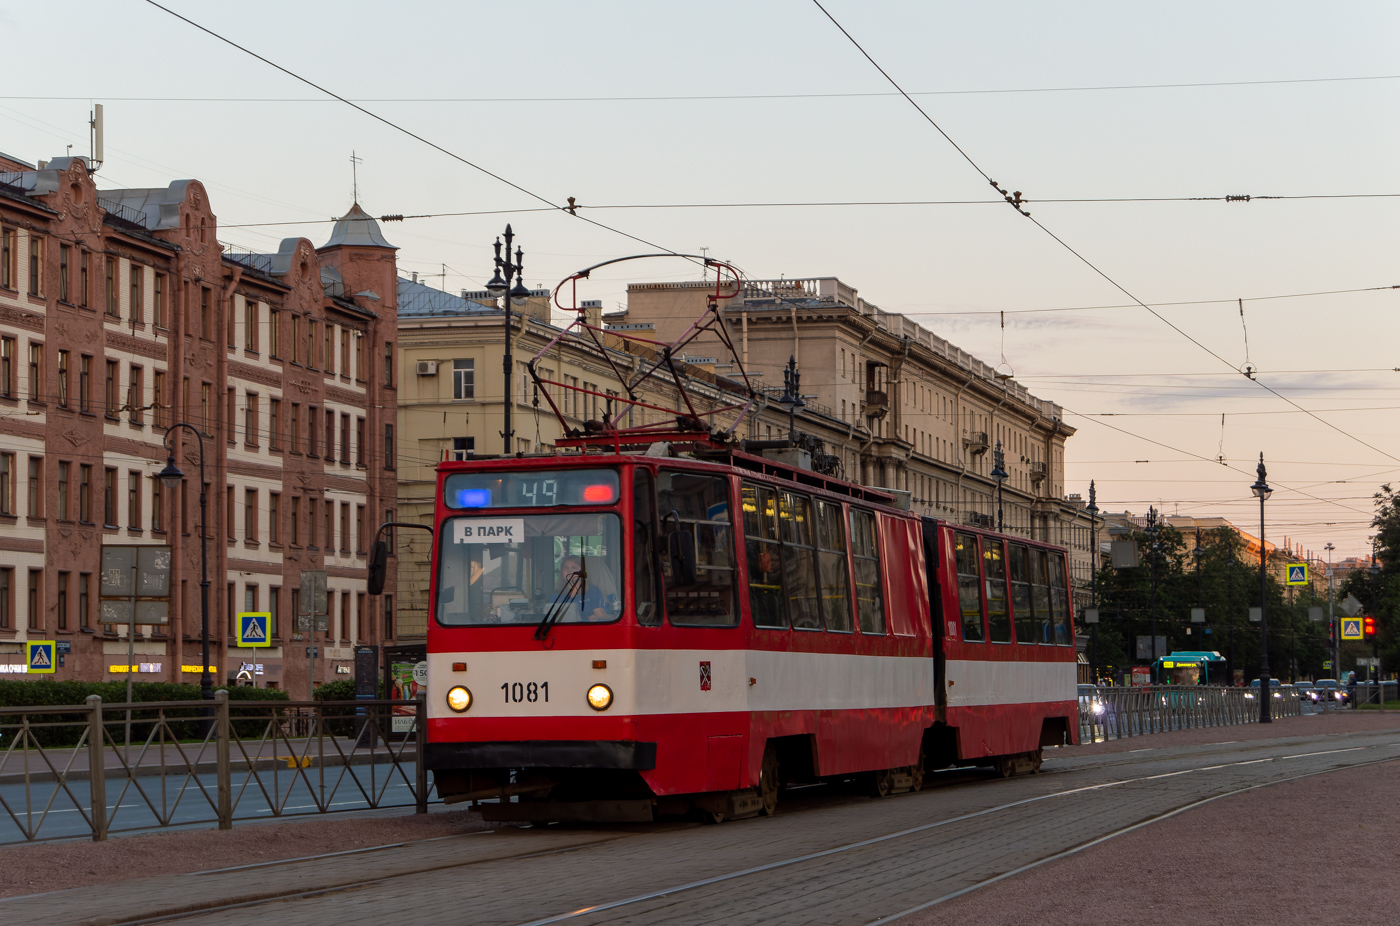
(598, 600)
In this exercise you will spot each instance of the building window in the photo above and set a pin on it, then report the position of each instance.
(133, 500)
(294, 429)
(36, 372)
(250, 325)
(359, 357)
(36, 487)
(158, 302)
(274, 333)
(330, 435)
(158, 399)
(113, 301)
(7, 484)
(85, 493)
(84, 600)
(388, 446)
(250, 514)
(109, 497)
(85, 384)
(296, 338)
(344, 438)
(63, 490)
(345, 613)
(7, 367)
(359, 442)
(231, 416)
(35, 603)
(463, 447)
(274, 517)
(312, 438)
(329, 513)
(113, 388)
(36, 265)
(345, 352)
(157, 506)
(229, 515)
(275, 424)
(84, 278)
(296, 520)
(206, 315)
(63, 601)
(63, 378)
(311, 343)
(389, 364)
(7, 258)
(136, 276)
(250, 420)
(345, 527)
(359, 528)
(7, 577)
(206, 409)
(388, 617)
(135, 395)
(250, 597)
(464, 379)
(65, 253)
(328, 350)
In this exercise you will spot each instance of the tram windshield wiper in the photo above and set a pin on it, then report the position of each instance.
(573, 587)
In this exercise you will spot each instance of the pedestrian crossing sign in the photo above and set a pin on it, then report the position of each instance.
(1351, 629)
(38, 655)
(253, 628)
(1297, 573)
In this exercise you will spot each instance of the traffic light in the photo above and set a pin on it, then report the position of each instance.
(1368, 627)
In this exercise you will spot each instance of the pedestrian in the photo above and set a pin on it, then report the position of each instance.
(1351, 689)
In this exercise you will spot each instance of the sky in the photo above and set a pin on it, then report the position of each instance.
(661, 104)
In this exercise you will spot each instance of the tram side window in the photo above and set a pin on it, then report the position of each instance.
(1021, 594)
(969, 586)
(1040, 595)
(698, 566)
(644, 547)
(799, 562)
(1059, 598)
(865, 556)
(763, 555)
(998, 619)
(831, 567)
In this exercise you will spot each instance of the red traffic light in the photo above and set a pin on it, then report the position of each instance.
(1368, 626)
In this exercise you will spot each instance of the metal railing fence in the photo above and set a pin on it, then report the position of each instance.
(73, 770)
(1118, 713)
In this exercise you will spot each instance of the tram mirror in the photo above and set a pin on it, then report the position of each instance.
(378, 567)
(681, 548)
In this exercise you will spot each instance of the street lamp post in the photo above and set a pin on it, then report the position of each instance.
(500, 287)
(1152, 568)
(171, 477)
(1262, 491)
(1093, 511)
(999, 474)
(1375, 607)
(1331, 612)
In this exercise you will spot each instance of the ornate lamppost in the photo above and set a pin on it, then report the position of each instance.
(500, 287)
(1262, 492)
(171, 477)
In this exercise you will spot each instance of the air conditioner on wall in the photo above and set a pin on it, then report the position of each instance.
(427, 367)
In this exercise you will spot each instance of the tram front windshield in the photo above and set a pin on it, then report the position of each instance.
(522, 569)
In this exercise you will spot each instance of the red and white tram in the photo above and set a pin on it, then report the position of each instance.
(616, 636)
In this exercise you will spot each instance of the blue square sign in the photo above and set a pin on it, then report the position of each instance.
(253, 628)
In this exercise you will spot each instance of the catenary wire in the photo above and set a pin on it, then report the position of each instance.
(1016, 204)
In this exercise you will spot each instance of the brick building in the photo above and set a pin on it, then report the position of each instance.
(120, 314)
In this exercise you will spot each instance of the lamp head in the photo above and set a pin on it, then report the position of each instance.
(519, 294)
(1261, 487)
(497, 286)
(171, 477)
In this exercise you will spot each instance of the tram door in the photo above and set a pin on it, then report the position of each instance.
(932, 562)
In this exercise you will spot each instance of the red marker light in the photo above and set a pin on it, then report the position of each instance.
(600, 493)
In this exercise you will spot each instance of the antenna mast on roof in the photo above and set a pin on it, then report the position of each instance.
(95, 137)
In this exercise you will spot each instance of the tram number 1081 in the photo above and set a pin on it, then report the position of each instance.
(515, 692)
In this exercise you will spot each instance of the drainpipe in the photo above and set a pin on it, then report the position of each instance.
(221, 460)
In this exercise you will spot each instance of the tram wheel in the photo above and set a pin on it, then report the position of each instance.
(768, 781)
(1037, 758)
(1005, 766)
(916, 772)
(709, 817)
(881, 783)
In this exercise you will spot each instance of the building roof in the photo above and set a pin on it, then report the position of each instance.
(415, 299)
(357, 228)
(159, 206)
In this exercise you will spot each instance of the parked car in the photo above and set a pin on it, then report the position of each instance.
(1329, 689)
(1277, 687)
(1307, 691)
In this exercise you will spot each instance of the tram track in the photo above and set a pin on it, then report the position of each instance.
(358, 885)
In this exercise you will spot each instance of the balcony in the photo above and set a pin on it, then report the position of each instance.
(975, 442)
(1040, 470)
(877, 403)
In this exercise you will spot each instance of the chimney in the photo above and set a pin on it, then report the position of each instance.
(593, 312)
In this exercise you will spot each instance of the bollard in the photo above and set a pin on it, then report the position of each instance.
(97, 770)
(420, 734)
(223, 773)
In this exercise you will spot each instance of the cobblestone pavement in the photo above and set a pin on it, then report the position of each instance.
(824, 859)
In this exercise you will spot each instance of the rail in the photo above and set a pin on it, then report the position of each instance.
(1118, 713)
(203, 763)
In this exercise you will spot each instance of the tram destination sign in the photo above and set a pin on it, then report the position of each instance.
(494, 530)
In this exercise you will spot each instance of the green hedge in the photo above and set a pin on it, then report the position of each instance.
(45, 693)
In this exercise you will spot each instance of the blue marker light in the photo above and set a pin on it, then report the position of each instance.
(474, 498)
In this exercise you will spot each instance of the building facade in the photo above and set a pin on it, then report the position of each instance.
(122, 315)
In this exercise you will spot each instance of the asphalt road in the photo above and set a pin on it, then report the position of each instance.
(827, 857)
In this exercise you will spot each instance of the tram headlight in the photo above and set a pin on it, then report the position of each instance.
(600, 697)
(459, 699)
